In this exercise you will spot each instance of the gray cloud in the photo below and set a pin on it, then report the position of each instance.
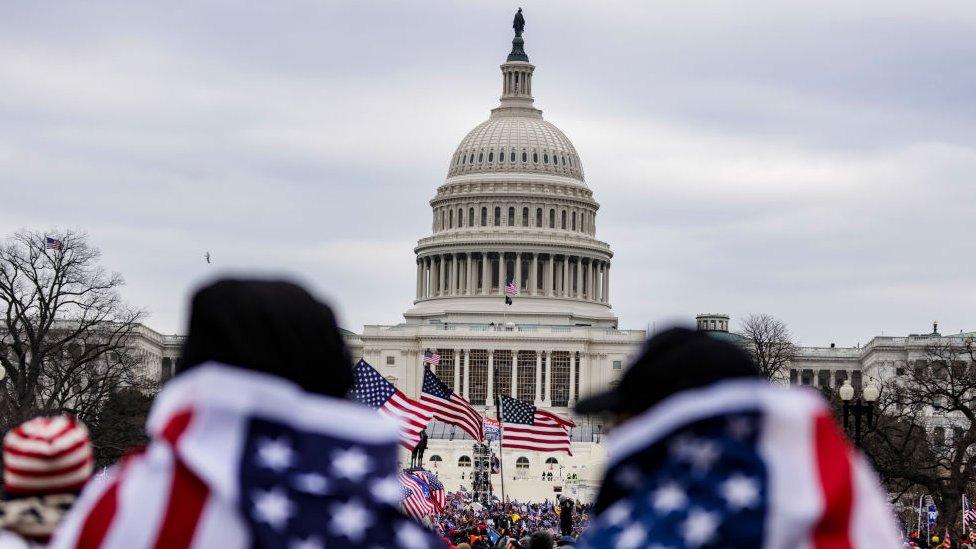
(813, 161)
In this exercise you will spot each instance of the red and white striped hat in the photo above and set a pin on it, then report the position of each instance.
(46, 455)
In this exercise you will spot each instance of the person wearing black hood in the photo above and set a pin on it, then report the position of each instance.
(706, 453)
(254, 443)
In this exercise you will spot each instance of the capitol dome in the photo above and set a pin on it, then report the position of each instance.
(516, 143)
(514, 215)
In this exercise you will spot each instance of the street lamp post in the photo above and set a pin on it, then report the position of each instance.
(858, 407)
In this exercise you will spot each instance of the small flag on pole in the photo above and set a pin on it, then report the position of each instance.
(431, 358)
(511, 290)
(53, 243)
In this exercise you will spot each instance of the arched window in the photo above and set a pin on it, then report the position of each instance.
(464, 159)
(538, 217)
(471, 160)
(471, 217)
(525, 157)
(574, 221)
(552, 461)
(498, 216)
(484, 217)
(436, 460)
(450, 219)
(460, 218)
(564, 159)
(552, 219)
(525, 217)
(535, 157)
(481, 156)
(545, 158)
(442, 220)
(511, 217)
(583, 221)
(512, 156)
(564, 219)
(491, 156)
(522, 463)
(464, 461)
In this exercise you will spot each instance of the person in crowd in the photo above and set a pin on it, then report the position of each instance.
(46, 462)
(705, 453)
(566, 516)
(254, 443)
(541, 540)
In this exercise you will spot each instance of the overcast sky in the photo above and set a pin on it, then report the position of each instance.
(812, 161)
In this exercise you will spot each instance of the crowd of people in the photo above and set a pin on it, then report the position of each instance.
(917, 540)
(514, 522)
(255, 443)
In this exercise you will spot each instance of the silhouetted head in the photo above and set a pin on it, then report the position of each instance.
(274, 327)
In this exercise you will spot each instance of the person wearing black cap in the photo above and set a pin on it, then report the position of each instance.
(254, 442)
(707, 453)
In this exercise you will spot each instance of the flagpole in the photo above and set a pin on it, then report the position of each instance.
(501, 435)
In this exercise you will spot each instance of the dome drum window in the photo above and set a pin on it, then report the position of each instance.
(491, 156)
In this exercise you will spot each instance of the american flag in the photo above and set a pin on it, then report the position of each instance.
(53, 243)
(450, 407)
(418, 503)
(738, 464)
(437, 493)
(240, 459)
(511, 290)
(373, 390)
(968, 514)
(431, 358)
(525, 427)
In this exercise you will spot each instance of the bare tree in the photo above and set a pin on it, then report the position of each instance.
(65, 333)
(923, 441)
(770, 344)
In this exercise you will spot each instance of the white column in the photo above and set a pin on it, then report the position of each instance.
(547, 401)
(534, 274)
(491, 378)
(419, 275)
(456, 284)
(538, 378)
(572, 378)
(467, 374)
(592, 286)
(441, 275)
(550, 276)
(565, 288)
(457, 371)
(514, 374)
(518, 271)
(606, 284)
(470, 277)
(579, 278)
(502, 273)
(485, 275)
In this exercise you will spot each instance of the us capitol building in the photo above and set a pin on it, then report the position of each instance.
(515, 206)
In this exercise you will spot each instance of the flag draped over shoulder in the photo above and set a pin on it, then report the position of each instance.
(373, 390)
(242, 459)
(525, 427)
(449, 406)
(738, 464)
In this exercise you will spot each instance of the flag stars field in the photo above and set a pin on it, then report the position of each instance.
(275, 454)
(352, 464)
(350, 520)
(273, 507)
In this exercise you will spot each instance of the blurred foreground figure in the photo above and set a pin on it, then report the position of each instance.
(46, 461)
(253, 443)
(707, 454)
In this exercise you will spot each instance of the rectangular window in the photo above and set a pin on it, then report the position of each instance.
(617, 364)
(390, 361)
(445, 370)
(525, 388)
(502, 361)
(525, 217)
(560, 378)
(478, 377)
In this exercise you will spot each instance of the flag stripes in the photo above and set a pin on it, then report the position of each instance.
(525, 427)
(373, 390)
(450, 407)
